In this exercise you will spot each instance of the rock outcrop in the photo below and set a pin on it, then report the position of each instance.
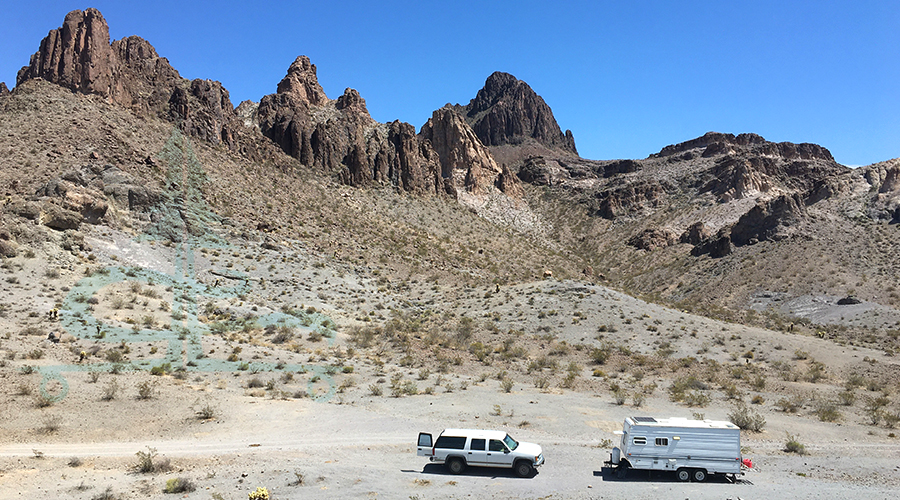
(4, 90)
(651, 239)
(129, 72)
(339, 136)
(508, 111)
(769, 219)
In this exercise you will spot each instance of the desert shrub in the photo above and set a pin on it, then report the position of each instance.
(696, 398)
(114, 356)
(790, 404)
(827, 411)
(204, 410)
(507, 384)
(746, 418)
(35, 354)
(147, 462)
(600, 355)
(42, 400)
(179, 485)
(110, 390)
(846, 398)
(255, 383)
(106, 494)
(74, 462)
(793, 445)
(93, 376)
(375, 390)
(161, 369)
(51, 424)
(874, 406)
(680, 386)
(146, 389)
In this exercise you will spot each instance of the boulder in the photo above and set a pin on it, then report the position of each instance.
(716, 246)
(695, 234)
(56, 217)
(76, 196)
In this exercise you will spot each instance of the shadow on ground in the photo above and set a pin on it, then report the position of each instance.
(660, 476)
(471, 471)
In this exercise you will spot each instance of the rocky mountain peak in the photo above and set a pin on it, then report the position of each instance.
(77, 55)
(302, 82)
(508, 111)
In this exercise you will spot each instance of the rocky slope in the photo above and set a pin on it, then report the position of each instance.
(680, 225)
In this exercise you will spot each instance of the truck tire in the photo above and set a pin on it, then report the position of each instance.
(683, 474)
(456, 465)
(523, 468)
(699, 475)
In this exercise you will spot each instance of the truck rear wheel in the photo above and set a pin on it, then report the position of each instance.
(456, 465)
(683, 474)
(699, 475)
(523, 468)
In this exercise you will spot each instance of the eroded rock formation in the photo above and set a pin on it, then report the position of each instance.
(508, 111)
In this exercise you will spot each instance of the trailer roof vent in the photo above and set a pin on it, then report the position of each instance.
(644, 419)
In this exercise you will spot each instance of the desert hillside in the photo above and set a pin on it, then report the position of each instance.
(204, 299)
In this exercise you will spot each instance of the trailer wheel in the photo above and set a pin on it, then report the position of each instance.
(456, 465)
(621, 471)
(699, 475)
(683, 474)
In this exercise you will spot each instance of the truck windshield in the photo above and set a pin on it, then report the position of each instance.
(510, 442)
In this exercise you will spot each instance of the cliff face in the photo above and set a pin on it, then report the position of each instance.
(508, 111)
(340, 136)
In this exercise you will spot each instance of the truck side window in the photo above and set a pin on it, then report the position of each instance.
(662, 441)
(478, 444)
(497, 445)
(452, 442)
(639, 440)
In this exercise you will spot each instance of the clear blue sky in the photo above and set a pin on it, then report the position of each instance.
(626, 77)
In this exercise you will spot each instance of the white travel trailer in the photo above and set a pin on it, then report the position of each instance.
(693, 449)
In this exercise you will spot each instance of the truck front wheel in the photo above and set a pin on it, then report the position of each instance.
(456, 465)
(683, 474)
(524, 469)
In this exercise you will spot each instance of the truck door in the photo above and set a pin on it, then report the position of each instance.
(498, 455)
(425, 446)
(477, 454)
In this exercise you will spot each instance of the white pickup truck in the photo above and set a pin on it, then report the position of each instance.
(459, 448)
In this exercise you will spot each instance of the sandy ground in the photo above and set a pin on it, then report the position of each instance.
(331, 430)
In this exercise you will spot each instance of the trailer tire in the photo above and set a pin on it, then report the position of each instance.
(699, 475)
(456, 465)
(683, 474)
(621, 471)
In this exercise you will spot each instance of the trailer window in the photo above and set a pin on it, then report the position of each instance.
(639, 440)
(662, 441)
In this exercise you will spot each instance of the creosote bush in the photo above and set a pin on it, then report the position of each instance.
(793, 445)
(747, 419)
